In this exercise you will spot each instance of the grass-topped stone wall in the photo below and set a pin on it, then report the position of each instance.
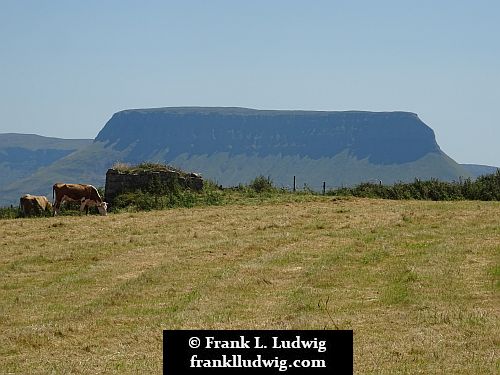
(148, 177)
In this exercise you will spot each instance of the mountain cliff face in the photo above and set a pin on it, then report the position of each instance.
(382, 138)
(233, 145)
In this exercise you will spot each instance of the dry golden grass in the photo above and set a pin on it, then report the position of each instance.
(418, 282)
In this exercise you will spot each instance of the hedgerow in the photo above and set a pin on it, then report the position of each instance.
(485, 188)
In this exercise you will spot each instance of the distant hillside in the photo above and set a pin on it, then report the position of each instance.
(21, 155)
(234, 145)
(86, 165)
(477, 170)
(36, 142)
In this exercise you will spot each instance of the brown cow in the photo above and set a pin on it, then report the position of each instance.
(34, 204)
(86, 195)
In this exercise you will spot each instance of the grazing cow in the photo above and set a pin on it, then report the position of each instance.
(86, 195)
(34, 204)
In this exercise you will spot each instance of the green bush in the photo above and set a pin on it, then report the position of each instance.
(9, 212)
(137, 200)
(261, 184)
(488, 187)
(212, 194)
(162, 198)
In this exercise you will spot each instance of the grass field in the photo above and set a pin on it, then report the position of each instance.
(417, 281)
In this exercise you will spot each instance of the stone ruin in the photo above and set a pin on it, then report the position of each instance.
(119, 181)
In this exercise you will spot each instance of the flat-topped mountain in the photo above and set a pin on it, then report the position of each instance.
(234, 145)
(380, 137)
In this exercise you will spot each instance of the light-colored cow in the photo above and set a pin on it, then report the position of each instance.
(34, 204)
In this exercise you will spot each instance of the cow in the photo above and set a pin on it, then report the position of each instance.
(86, 195)
(34, 204)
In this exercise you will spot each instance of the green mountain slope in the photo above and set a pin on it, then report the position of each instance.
(21, 155)
(341, 170)
(87, 165)
(477, 170)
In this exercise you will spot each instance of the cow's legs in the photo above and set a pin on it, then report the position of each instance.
(86, 203)
(56, 206)
(82, 206)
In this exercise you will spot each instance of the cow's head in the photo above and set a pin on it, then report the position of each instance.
(103, 208)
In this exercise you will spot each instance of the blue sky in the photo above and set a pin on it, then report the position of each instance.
(67, 66)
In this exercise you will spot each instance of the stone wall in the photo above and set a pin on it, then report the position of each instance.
(118, 182)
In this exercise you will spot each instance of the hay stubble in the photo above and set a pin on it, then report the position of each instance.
(417, 281)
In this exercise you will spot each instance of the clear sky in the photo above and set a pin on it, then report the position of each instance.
(67, 66)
